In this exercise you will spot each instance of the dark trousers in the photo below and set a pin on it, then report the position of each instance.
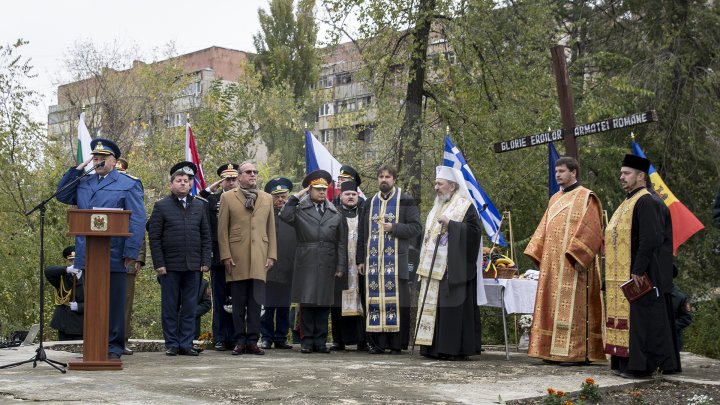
(314, 324)
(178, 295)
(246, 310)
(68, 336)
(274, 324)
(116, 333)
(222, 322)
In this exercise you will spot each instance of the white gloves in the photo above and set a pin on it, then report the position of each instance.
(71, 270)
(73, 306)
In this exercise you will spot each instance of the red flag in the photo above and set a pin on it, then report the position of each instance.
(191, 155)
(684, 223)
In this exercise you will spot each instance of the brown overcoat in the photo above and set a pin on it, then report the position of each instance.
(246, 236)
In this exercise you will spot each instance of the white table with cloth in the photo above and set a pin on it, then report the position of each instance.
(512, 296)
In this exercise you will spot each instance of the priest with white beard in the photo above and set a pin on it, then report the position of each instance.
(449, 319)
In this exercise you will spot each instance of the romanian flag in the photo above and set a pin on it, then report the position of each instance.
(684, 223)
(191, 155)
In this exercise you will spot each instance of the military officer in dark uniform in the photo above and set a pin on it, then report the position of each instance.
(180, 245)
(274, 324)
(69, 302)
(222, 323)
(320, 256)
(108, 188)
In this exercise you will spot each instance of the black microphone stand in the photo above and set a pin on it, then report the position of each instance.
(40, 352)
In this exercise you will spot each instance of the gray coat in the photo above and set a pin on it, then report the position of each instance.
(321, 250)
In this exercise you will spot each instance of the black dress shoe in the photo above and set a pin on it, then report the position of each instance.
(220, 347)
(322, 349)
(337, 347)
(171, 351)
(376, 350)
(306, 350)
(282, 345)
(363, 347)
(238, 350)
(127, 352)
(188, 352)
(254, 349)
(266, 345)
(113, 356)
(395, 352)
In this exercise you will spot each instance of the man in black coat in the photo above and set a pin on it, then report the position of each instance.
(638, 242)
(69, 298)
(320, 256)
(275, 322)
(180, 245)
(716, 210)
(389, 223)
(222, 323)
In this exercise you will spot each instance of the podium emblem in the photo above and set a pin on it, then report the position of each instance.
(99, 222)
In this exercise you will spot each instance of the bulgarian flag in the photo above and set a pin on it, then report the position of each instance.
(191, 155)
(83, 142)
(684, 223)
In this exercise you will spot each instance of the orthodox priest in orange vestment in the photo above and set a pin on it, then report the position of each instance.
(567, 318)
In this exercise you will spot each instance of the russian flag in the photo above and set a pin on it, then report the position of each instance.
(684, 223)
(191, 155)
(318, 157)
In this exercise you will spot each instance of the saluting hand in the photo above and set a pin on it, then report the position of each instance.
(302, 192)
(83, 164)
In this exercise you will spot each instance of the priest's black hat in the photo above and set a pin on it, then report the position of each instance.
(317, 179)
(636, 162)
(349, 185)
(278, 185)
(349, 173)
(188, 168)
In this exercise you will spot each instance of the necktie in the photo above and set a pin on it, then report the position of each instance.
(320, 210)
(184, 203)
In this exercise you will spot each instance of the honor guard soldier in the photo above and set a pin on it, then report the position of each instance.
(69, 302)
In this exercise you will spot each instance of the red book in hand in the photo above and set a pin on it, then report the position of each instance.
(633, 292)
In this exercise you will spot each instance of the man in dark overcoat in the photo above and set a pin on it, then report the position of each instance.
(320, 256)
(275, 322)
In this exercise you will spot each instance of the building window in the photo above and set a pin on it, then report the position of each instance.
(175, 120)
(326, 135)
(326, 81)
(343, 78)
(325, 109)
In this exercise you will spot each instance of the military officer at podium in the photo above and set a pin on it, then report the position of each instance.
(108, 188)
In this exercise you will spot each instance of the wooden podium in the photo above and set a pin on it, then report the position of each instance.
(98, 226)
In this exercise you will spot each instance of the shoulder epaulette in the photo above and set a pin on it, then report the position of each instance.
(200, 198)
(131, 176)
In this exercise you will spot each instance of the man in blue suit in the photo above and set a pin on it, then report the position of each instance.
(108, 188)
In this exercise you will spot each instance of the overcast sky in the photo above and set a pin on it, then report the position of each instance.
(53, 26)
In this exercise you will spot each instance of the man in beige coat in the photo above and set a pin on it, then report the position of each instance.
(248, 249)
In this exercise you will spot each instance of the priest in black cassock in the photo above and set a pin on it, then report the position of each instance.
(638, 241)
(347, 314)
(448, 318)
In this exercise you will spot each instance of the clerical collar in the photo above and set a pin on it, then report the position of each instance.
(571, 187)
(346, 208)
(632, 193)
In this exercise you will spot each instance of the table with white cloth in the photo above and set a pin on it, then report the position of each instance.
(512, 296)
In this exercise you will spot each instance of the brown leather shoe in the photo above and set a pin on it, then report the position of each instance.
(254, 349)
(238, 350)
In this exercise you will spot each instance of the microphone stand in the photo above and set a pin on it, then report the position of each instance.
(40, 355)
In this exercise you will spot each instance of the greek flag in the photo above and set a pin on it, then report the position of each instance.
(490, 216)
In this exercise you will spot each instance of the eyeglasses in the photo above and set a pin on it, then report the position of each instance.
(255, 172)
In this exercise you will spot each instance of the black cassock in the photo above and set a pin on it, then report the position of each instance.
(653, 340)
(457, 320)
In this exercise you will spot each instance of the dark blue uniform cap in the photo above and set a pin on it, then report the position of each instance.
(188, 168)
(102, 146)
(278, 185)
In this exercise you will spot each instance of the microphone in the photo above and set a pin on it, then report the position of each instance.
(102, 164)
